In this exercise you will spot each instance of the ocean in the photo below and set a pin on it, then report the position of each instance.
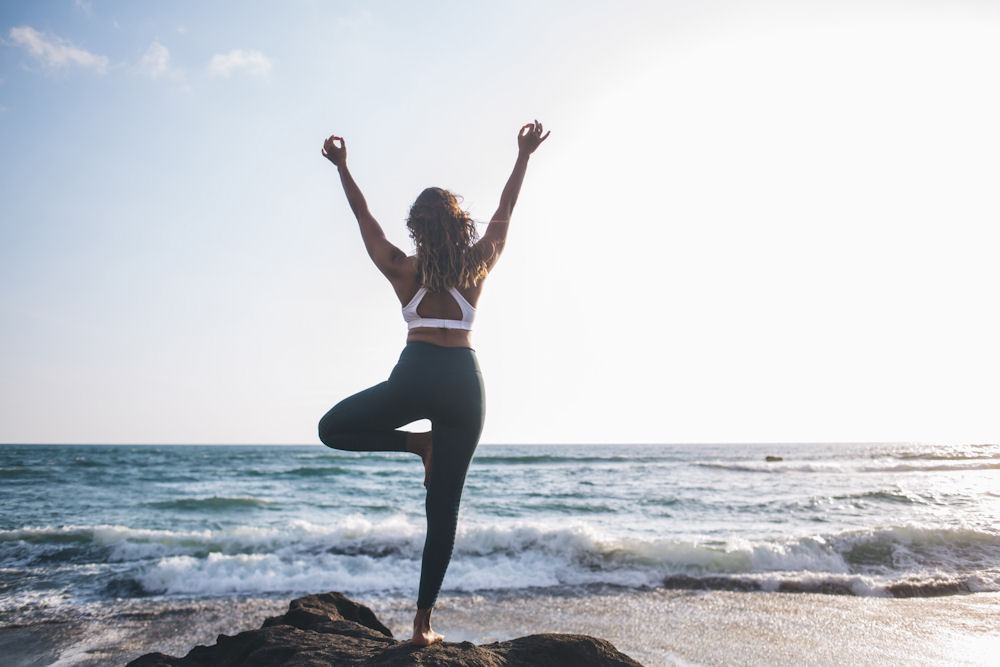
(678, 554)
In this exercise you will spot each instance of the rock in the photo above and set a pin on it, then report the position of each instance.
(331, 629)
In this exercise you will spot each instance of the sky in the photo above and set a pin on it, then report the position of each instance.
(756, 221)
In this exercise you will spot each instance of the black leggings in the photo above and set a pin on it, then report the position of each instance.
(444, 385)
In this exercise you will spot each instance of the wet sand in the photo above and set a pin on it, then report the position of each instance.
(654, 627)
(729, 628)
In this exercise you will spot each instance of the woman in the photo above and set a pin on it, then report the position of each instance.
(437, 377)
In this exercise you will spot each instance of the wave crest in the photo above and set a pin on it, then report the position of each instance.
(364, 556)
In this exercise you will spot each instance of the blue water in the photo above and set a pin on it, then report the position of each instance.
(81, 524)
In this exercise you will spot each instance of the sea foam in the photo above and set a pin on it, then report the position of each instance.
(360, 555)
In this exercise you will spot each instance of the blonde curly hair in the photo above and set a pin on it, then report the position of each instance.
(445, 238)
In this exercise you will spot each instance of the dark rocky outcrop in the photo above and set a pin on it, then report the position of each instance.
(330, 629)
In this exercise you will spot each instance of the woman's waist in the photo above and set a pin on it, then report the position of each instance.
(448, 338)
(438, 357)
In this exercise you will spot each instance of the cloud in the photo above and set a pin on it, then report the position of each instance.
(55, 52)
(155, 64)
(251, 62)
(84, 6)
(156, 61)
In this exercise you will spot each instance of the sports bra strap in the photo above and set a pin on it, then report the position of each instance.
(414, 320)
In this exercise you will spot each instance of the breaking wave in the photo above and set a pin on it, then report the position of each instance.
(361, 556)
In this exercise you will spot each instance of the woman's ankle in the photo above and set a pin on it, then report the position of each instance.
(422, 619)
(423, 635)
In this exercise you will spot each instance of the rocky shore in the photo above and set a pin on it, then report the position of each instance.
(331, 629)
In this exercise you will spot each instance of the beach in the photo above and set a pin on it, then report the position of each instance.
(654, 627)
(678, 555)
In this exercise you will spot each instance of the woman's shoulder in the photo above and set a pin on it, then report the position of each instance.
(409, 267)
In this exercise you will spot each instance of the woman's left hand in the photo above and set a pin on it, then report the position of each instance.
(334, 153)
(530, 137)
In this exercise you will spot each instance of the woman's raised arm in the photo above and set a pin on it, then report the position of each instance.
(528, 139)
(389, 259)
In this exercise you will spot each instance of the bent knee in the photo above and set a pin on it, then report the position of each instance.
(330, 433)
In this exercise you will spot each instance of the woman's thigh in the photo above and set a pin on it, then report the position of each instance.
(379, 409)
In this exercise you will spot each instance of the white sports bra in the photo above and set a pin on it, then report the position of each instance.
(414, 320)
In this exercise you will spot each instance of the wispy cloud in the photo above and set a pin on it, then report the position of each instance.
(84, 6)
(251, 62)
(156, 61)
(156, 64)
(55, 52)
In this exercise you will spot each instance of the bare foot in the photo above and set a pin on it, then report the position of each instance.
(422, 633)
(421, 444)
(425, 638)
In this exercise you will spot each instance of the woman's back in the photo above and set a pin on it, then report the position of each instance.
(438, 317)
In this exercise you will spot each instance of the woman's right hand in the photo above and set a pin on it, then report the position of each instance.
(334, 153)
(530, 137)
